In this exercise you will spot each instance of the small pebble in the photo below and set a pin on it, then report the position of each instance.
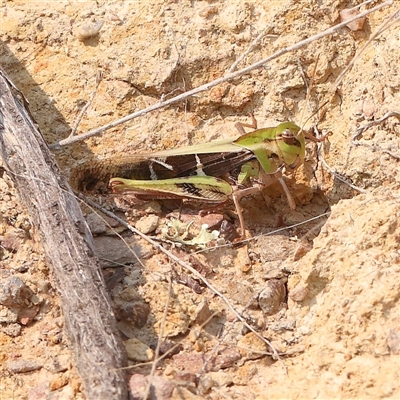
(96, 224)
(138, 351)
(349, 13)
(19, 366)
(203, 312)
(299, 293)
(86, 31)
(136, 313)
(148, 224)
(14, 292)
(272, 297)
(12, 330)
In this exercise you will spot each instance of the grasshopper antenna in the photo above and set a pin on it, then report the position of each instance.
(309, 86)
(307, 134)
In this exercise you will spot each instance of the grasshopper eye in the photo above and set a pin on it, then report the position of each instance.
(289, 138)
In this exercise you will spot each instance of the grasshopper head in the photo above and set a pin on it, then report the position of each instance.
(275, 148)
(292, 145)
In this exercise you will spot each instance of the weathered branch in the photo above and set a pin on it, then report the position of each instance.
(67, 242)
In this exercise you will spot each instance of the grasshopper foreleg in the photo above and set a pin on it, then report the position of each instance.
(266, 180)
(292, 203)
(236, 196)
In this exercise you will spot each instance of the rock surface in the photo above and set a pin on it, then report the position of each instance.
(338, 328)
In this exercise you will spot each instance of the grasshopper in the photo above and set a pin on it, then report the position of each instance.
(212, 173)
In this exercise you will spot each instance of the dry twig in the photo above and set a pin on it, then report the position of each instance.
(364, 128)
(186, 266)
(216, 82)
(86, 106)
(68, 246)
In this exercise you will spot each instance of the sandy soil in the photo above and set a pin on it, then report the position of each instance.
(339, 327)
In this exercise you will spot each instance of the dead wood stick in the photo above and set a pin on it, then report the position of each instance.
(67, 242)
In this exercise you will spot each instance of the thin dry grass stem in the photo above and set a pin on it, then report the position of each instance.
(214, 349)
(360, 5)
(222, 338)
(87, 105)
(264, 234)
(321, 139)
(226, 332)
(336, 175)
(318, 138)
(305, 80)
(144, 364)
(287, 353)
(93, 206)
(374, 147)
(218, 81)
(186, 266)
(309, 86)
(302, 238)
(389, 21)
(358, 133)
(158, 359)
(390, 153)
(253, 44)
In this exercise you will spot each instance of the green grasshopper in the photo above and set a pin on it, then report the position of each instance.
(213, 172)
